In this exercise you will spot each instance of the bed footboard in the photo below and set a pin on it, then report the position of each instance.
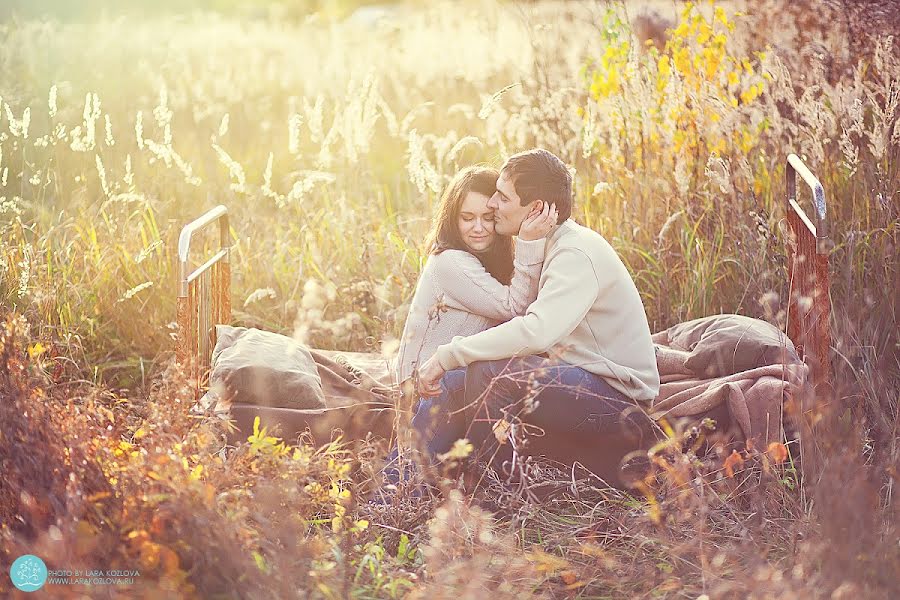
(809, 301)
(809, 308)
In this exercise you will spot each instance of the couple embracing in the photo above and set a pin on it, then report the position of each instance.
(521, 315)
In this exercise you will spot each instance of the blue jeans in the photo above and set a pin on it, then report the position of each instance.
(437, 424)
(570, 413)
(564, 403)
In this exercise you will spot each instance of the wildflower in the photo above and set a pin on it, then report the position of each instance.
(422, 172)
(235, 170)
(51, 101)
(18, 127)
(133, 291)
(733, 460)
(110, 141)
(129, 175)
(491, 102)
(139, 129)
(101, 171)
(258, 295)
(777, 452)
(223, 125)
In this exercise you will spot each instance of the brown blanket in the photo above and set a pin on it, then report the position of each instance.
(744, 365)
(359, 400)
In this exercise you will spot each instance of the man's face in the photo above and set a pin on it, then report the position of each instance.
(507, 206)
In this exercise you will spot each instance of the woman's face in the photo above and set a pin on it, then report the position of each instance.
(476, 222)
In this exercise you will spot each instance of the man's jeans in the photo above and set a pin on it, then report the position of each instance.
(553, 399)
(561, 402)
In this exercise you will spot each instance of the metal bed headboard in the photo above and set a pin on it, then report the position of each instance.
(204, 296)
(809, 302)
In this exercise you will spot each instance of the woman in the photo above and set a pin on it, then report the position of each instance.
(472, 280)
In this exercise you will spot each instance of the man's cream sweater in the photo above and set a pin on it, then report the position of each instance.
(588, 312)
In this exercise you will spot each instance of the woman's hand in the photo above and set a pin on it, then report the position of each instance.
(539, 222)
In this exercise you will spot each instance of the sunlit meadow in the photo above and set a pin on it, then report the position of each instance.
(329, 140)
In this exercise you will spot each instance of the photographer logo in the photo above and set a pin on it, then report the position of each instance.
(28, 573)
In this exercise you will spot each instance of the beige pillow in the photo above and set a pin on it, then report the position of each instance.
(722, 345)
(262, 368)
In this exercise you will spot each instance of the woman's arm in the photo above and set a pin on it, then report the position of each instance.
(466, 285)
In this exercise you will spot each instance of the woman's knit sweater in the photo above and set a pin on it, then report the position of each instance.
(456, 296)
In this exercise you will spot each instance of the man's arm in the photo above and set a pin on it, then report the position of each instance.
(569, 290)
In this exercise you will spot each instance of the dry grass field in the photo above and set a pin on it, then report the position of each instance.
(329, 139)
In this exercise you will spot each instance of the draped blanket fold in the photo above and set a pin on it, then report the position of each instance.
(359, 400)
(745, 364)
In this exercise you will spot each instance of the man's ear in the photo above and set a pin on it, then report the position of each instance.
(536, 207)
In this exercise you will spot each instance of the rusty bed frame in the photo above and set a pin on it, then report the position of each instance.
(204, 292)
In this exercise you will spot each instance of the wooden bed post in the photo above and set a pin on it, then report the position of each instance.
(204, 297)
(809, 301)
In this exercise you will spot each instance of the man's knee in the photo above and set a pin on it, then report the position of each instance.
(479, 369)
(454, 381)
(482, 373)
(490, 383)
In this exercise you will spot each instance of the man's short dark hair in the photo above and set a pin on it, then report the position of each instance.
(538, 174)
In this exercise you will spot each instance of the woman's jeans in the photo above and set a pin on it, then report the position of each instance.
(438, 426)
(562, 403)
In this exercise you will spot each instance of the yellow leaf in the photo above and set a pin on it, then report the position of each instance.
(665, 69)
(501, 430)
(683, 60)
(720, 16)
(260, 562)
(460, 450)
(777, 451)
(733, 460)
(36, 350)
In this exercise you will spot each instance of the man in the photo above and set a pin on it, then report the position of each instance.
(577, 362)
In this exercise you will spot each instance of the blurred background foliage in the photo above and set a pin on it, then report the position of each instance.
(86, 10)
